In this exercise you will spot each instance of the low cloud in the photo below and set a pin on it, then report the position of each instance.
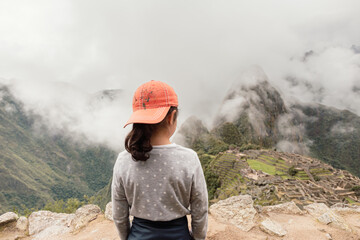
(65, 109)
(330, 76)
(293, 147)
(342, 128)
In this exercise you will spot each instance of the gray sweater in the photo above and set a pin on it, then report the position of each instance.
(165, 187)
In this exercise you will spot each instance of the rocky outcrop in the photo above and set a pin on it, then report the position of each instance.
(326, 216)
(316, 209)
(108, 211)
(237, 210)
(46, 223)
(22, 224)
(8, 217)
(273, 228)
(84, 215)
(287, 208)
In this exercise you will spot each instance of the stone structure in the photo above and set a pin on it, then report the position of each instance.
(313, 182)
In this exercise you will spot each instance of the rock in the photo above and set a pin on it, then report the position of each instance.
(258, 208)
(273, 228)
(22, 224)
(8, 217)
(287, 208)
(326, 216)
(51, 232)
(316, 209)
(108, 211)
(84, 215)
(237, 210)
(56, 222)
(334, 220)
(328, 236)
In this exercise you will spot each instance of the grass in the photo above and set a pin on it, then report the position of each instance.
(259, 165)
(274, 167)
(352, 202)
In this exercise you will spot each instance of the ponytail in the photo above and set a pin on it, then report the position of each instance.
(137, 142)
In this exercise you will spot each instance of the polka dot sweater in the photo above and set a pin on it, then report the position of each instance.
(169, 185)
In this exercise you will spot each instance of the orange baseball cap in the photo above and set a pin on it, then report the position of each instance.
(151, 102)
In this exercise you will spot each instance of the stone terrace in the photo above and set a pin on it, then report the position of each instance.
(314, 181)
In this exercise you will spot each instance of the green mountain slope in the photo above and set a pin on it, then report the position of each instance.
(36, 167)
(335, 136)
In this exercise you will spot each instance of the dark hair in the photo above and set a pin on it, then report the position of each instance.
(137, 142)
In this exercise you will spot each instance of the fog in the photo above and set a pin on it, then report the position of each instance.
(57, 54)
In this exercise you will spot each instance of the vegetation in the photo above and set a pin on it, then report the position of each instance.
(103, 196)
(316, 178)
(259, 165)
(229, 134)
(209, 144)
(248, 146)
(356, 189)
(59, 206)
(212, 179)
(227, 167)
(292, 171)
(335, 137)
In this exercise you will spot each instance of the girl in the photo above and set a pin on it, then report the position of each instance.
(154, 180)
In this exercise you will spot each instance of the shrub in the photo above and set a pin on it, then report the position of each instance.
(356, 189)
(60, 206)
(317, 178)
(292, 171)
(249, 146)
(212, 182)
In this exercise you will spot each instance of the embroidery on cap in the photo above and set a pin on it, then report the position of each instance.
(146, 97)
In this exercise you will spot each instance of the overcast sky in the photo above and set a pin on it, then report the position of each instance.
(198, 47)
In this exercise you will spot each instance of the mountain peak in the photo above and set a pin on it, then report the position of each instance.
(252, 100)
(251, 76)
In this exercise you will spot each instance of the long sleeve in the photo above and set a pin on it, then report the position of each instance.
(199, 204)
(120, 206)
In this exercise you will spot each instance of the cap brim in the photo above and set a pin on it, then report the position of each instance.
(149, 116)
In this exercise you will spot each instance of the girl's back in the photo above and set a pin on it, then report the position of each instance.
(159, 191)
